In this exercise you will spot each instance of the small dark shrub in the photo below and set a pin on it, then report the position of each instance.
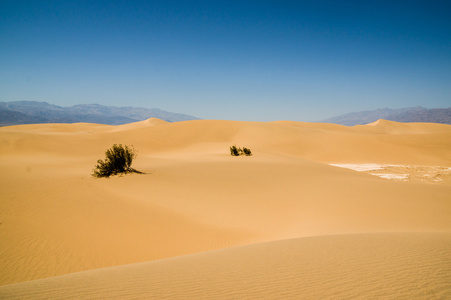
(234, 151)
(118, 159)
(247, 151)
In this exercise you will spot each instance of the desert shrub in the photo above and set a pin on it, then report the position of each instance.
(247, 151)
(118, 159)
(234, 151)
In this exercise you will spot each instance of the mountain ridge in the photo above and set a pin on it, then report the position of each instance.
(405, 115)
(34, 112)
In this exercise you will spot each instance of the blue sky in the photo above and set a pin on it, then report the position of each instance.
(237, 60)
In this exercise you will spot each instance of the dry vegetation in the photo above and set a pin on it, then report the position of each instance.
(118, 160)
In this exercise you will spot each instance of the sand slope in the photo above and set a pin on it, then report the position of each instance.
(369, 266)
(56, 219)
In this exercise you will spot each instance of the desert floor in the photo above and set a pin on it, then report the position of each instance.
(319, 211)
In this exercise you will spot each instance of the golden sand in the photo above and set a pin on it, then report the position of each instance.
(203, 224)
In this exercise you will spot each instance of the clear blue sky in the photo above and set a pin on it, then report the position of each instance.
(239, 60)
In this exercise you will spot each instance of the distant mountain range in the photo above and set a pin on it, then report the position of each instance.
(32, 112)
(410, 114)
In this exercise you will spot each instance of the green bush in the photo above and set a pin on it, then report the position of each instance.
(234, 151)
(118, 159)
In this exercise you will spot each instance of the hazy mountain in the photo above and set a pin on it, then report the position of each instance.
(410, 114)
(32, 112)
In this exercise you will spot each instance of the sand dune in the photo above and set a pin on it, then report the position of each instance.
(56, 219)
(381, 266)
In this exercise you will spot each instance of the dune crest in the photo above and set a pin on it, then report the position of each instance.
(379, 122)
(141, 124)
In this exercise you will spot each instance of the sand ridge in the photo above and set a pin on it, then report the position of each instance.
(194, 197)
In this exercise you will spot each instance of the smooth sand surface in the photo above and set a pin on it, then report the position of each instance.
(243, 225)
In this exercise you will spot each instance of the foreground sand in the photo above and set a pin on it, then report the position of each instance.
(311, 229)
(384, 266)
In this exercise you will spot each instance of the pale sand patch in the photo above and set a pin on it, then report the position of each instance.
(392, 176)
(360, 167)
(415, 173)
(366, 266)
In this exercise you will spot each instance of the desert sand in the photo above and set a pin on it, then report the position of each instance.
(319, 211)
